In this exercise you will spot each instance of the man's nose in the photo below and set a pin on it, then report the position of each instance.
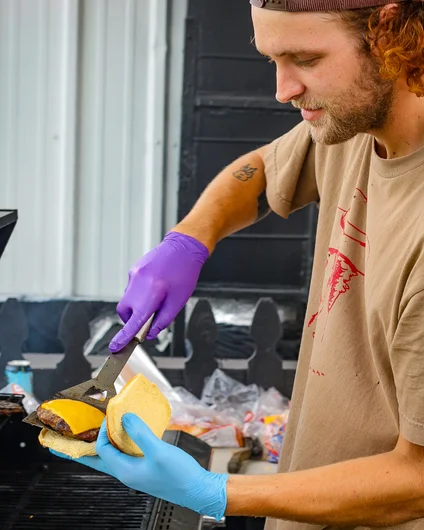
(288, 86)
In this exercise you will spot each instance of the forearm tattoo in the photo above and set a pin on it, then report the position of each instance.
(244, 174)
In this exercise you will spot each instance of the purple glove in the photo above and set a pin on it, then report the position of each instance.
(161, 282)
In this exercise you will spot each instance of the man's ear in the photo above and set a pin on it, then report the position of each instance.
(388, 12)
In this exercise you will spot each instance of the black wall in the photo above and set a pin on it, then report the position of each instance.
(229, 109)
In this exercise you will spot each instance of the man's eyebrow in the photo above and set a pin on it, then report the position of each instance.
(293, 52)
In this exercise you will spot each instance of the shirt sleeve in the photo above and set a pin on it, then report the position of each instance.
(407, 356)
(290, 171)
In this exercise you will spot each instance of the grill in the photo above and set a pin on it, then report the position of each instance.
(41, 492)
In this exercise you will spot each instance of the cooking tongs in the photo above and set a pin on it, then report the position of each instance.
(103, 383)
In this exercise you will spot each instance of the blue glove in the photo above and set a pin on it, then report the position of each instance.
(165, 471)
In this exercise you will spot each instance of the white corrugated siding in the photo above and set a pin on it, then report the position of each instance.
(35, 91)
(82, 141)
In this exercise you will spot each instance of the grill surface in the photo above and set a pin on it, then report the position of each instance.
(60, 496)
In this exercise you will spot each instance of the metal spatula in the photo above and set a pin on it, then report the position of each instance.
(103, 383)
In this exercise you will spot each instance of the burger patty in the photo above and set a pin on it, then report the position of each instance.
(8, 407)
(59, 425)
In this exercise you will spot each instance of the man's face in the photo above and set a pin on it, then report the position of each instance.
(321, 71)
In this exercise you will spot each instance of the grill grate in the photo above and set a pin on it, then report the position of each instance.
(59, 498)
(41, 492)
(12, 487)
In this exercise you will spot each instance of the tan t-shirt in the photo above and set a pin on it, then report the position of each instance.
(360, 376)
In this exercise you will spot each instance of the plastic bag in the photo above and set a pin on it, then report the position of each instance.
(229, 411)
(141, 362)
(269, 403)
(267, 422)
(226, 394)
(259, 413)
(272, 435)
(219, 428)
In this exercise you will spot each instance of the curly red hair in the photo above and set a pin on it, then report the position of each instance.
(396, 37)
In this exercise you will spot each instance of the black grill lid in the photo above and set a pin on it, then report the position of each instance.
(8, 219)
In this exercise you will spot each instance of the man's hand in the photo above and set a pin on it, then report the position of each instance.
(165, 471)
(161, 282)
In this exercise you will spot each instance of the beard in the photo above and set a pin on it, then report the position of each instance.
(366, 106)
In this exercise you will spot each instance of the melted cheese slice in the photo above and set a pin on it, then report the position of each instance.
(78, 415)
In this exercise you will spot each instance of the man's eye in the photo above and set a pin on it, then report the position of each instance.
(307, 62)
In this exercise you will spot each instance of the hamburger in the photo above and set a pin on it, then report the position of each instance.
(76, 425)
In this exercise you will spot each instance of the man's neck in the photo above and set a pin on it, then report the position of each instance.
(404, 134)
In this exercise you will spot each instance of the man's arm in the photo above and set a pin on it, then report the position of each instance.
(381, 490)
(233, 200)
(161, 282)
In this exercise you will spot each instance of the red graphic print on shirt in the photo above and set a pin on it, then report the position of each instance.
(350, 230)
(346, 262)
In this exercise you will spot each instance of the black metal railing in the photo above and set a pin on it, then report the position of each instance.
(265, 367)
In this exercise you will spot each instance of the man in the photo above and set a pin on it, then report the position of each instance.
(354, 450)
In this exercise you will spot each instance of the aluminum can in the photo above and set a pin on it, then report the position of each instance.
(20, 373)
